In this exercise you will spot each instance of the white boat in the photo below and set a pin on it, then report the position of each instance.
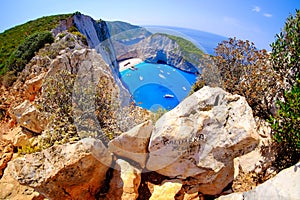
(161, 76)
(184, 88)
(168, 96)
(141, 78)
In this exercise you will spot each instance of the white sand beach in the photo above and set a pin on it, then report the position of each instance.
(125, 64)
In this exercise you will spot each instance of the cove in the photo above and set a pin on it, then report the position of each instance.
(155, 86)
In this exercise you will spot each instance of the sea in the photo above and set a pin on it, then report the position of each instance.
(155, 86)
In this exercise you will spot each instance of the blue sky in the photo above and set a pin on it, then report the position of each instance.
(256, 20)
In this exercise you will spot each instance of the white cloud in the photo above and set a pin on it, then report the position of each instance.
(256, 9)
(268, 15)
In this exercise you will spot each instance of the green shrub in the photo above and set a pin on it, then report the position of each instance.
(76, 112)
(286, 50)
(31, 147)
(286, 123)
(197, 85)
(24, 52)
(285, 128)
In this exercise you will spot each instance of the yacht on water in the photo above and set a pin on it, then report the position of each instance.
(168, 96)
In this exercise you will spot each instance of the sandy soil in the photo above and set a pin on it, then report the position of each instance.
(129, 63)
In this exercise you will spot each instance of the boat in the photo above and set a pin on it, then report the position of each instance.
(141, 78)
(127, 64)
(161, 76)
(168, 96)
(132, 68)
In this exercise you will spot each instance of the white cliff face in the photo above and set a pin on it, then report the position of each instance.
(98, 37)
(88, 27)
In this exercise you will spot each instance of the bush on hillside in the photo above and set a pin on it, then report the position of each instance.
(77, 112)
(285, 126)
(240, 68)
(56, 100)
(286, 123)
(286, 50)
(25, 51)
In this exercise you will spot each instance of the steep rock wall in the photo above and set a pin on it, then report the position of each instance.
(157, 48)
(98, 37)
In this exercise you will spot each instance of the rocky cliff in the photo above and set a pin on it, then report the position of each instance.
(160, 48)
(98, 37)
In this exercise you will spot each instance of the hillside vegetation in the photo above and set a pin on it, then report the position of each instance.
(12, 38)
(190, 51)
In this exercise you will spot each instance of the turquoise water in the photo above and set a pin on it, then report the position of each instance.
(149, 84)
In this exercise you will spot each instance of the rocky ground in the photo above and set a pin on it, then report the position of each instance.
(192, 152)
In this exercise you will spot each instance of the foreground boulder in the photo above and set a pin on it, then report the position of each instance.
(284, 185)
(125, 182)
(133, 143)
(70, 171)
(198, 140)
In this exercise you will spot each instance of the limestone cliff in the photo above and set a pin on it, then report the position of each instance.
(160, 48)
(96, 33)
(98, 37)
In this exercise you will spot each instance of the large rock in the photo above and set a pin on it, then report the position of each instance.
(201, 137)
(133, 144)
(27, 115)
(33, 86)
(125, 182)
(70, 171)
(12, 190)
(262, 157)
(167, 190)
(284, 185)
